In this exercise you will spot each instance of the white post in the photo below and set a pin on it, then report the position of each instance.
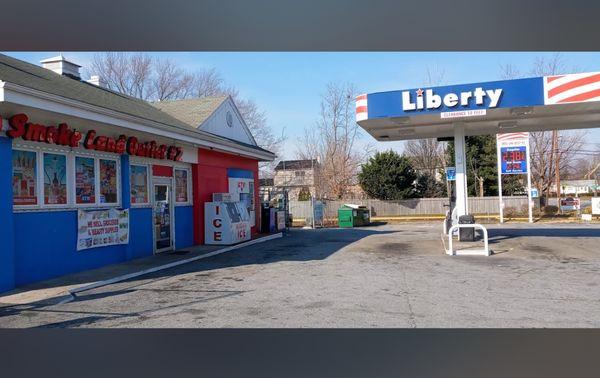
(312, 207)
(461, 169)
(529, 200)
(499, 180)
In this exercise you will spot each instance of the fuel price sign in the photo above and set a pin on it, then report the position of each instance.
(514, 159)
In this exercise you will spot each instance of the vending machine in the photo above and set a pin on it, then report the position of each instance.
(244, 188)
(226, 221)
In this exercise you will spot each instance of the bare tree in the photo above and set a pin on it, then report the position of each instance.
(130, 74)
(208, 83)
(332, 142)
(509, 71)
(171, 82)
(587, 165)
(427, 155)
(153, 79)
(544, 152)
(543, 160)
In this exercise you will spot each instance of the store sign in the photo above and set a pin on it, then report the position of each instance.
(596, 205)
(62, 135)
(463, 113)
(534, 193)
(570, 204)
(428, 99)
(450, 173)
(514, 160)
(513, 152)
(99, 228)
(464, 99)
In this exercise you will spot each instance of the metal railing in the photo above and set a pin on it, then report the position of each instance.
(480, 252)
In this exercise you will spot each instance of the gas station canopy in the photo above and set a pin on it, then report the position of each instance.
(534, 104)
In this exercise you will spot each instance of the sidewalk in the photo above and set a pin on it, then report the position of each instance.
(56, 289)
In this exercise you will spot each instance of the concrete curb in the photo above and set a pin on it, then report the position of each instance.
(124, 277)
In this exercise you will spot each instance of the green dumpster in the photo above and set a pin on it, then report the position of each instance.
(353, 216)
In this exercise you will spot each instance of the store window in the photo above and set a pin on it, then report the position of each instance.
(181, 185)
(108, 181)
(85, 180)
(55, 179)
(139, 184)
(24, 180)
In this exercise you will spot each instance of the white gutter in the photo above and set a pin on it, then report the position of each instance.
(47, 101)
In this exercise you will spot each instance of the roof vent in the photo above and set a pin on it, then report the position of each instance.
(98, 81)
(62, 66)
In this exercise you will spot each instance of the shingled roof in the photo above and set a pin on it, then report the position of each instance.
(35, 77)
(31, 76)
(296, 164)
(193, 111)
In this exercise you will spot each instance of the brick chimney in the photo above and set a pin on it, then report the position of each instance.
(62, 66)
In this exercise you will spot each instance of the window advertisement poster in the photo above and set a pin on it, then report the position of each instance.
(99, 228)
(24, 177)
(85, 180)
(139, 184)
(181, 185)
(108, 181)
(55, 179)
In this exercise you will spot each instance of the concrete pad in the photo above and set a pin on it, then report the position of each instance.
(383, 276)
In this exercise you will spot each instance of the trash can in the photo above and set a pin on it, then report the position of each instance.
(466, 234)
(353, 216)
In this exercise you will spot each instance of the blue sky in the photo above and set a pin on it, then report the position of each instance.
(287, 85)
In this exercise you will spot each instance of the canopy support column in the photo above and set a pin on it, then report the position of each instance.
(461, 169)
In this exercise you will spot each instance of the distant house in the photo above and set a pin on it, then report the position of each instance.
(576, 187)
(296, 176)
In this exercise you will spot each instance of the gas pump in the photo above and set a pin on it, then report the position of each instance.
(451, 215)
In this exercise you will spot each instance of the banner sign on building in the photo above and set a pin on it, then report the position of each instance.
(99, 228)
(513, 152)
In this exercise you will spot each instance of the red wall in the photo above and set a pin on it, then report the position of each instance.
(210, 176)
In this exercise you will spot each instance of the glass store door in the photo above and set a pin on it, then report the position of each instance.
(163, 217)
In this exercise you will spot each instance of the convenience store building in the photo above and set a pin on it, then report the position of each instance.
(92, 177)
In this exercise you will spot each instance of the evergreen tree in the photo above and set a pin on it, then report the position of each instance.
(304, 194)
(482, 167)
(388, 176)
(428, 187)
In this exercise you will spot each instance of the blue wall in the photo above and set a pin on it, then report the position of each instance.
(7, 252)
(45, 247)
(38, 245)
(184, 226)
(140, 232)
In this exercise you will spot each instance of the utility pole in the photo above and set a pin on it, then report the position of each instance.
(552, 161)
(556, 166)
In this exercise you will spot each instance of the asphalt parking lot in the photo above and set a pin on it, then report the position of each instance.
(541, 275)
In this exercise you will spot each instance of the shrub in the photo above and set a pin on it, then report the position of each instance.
(510, 212)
